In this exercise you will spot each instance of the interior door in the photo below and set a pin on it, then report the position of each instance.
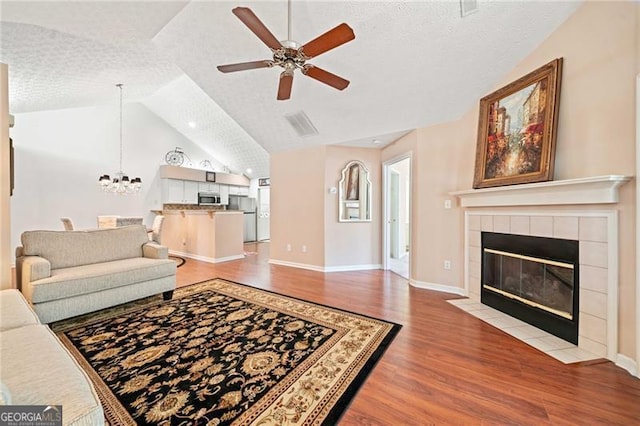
(394, 215)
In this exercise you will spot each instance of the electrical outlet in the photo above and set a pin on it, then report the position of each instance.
(288, 247)
(447, 265)
(304, 249)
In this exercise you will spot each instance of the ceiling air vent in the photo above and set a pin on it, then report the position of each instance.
(468, 7)
(301, 124)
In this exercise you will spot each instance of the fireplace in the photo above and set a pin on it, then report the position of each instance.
(534, 279)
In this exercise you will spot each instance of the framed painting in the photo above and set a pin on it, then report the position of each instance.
(517, 130)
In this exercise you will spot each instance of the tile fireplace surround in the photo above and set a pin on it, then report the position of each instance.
(528, 210)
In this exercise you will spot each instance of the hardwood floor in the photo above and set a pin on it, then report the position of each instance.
(445, 366)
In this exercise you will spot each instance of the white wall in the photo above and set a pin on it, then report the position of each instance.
(60, 154)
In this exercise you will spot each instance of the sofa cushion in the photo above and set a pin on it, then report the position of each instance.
(69, 282)
(38, 370)
(15, 311)
(72, 248)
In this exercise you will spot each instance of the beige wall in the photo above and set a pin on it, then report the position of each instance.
(637, 288)
(352, 243)
(5, 201)
(596, 136)
(304, 213)
(297, 206)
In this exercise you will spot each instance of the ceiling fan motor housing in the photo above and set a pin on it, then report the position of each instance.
(290, 55)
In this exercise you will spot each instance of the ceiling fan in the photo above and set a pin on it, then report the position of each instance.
(290, 55)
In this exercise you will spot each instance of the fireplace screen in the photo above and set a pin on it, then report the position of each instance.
(541, 283)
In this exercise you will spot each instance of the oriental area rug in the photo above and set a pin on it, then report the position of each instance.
(222, 353)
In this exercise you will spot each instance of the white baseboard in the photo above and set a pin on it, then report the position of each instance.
(296, 265)
(628, 364)
(346, 268)
(438, 287)
(204, 258)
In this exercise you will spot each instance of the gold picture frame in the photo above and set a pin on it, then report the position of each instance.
(517, 130)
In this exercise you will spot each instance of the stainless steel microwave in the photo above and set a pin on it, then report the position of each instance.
(208, 199)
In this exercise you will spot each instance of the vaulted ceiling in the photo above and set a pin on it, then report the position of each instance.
(412, 64)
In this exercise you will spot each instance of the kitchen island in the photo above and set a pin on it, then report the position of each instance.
(208, 235)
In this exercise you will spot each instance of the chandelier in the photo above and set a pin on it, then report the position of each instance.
(120, 184)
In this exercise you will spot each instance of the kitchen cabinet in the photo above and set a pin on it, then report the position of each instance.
(209, 187)
(239, 190)
(204, 235)
(224, 195)
(216, 188)
(176, 191)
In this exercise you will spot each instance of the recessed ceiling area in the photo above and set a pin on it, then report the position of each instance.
(411, 65)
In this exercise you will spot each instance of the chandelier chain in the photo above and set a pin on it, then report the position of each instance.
(120, 87)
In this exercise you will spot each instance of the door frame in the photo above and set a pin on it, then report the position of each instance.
(637, 218)
(386, 208)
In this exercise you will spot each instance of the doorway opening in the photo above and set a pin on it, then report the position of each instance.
(397, 190)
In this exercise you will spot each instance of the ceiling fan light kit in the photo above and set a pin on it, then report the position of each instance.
(290, 55)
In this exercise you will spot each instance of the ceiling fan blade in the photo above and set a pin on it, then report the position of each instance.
(284, 88)
(325, 77)
(329, 40)
(254, 24)
(244, 66)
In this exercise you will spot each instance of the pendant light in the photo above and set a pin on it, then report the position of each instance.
(120, 184)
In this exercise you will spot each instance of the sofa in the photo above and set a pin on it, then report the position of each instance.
(63, 274)
(38, 370)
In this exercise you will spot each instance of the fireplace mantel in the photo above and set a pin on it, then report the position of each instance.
(590, 190)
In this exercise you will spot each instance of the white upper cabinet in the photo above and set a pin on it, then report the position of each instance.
(224, 194)
(209, 187)
(176, 191)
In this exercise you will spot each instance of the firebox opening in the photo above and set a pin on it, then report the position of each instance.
(534, 279)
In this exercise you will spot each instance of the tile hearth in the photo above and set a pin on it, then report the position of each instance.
(551, 345)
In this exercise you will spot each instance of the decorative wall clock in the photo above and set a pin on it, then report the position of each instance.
(176, 157)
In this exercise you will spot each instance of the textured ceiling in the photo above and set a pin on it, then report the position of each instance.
(211, 128)
(411, 65)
